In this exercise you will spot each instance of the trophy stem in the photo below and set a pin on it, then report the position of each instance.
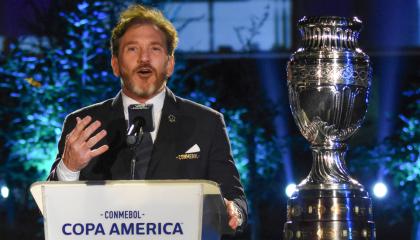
(329, 169)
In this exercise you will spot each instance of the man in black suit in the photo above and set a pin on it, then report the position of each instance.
(189, 140)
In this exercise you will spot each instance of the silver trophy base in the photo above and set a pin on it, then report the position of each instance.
(329, 214)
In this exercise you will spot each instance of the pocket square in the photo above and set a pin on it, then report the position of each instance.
(193, 149)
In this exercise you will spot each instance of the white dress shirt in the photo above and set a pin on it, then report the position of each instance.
(65, 174)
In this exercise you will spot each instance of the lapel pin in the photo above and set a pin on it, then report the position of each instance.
(171, 118)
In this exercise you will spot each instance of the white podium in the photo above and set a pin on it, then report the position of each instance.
(134, 209)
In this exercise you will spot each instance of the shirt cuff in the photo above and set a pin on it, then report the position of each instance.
(65, 174)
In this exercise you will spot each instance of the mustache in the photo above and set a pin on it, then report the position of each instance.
(144, 66)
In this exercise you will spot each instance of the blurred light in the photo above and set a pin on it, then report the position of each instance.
(290, 189)
(4, 191)
(380, 190)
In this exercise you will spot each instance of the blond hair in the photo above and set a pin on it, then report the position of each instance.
(139, 14)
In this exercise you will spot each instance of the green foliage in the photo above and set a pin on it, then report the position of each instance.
(403, 154)
(45, 79)
(399, 156)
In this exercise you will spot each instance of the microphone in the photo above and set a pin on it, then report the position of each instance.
(140, 119)
(135, 131)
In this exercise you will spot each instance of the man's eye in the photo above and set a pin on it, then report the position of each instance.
(156, 48)
(131, 49)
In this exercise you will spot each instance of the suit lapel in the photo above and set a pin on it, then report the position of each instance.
(118, 155)
(117, 123)
(165, 144)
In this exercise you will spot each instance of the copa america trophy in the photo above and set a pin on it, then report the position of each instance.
(328, 81)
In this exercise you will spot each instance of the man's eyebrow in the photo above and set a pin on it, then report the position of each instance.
(130, 42)
(152, 43)
(157, 43)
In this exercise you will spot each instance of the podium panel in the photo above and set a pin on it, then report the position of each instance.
(130, 209)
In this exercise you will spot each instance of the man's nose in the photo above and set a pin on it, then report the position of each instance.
(144, 56)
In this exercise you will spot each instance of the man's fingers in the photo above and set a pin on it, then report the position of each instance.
(80, 126)
(72, 131)
(233, 223)
(229, 208)
(234, 216)
(98, 151)
(95, 139)
(89, 131)
(77, 149)
(232, 213)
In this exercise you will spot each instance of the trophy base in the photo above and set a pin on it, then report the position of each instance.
(329, 214)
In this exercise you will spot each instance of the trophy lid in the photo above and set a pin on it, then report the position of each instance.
(353, 23)
(330, 33)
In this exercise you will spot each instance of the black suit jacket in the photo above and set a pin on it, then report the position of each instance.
(183, 124)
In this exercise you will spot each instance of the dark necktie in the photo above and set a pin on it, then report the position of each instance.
(144, 154)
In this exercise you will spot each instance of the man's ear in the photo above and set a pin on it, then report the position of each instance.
(170, 67)
(114, 65)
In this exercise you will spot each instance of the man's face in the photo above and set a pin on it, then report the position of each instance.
(143, 63)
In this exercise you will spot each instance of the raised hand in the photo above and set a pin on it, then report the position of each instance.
(78, 147)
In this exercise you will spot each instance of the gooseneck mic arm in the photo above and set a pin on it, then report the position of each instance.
(134, 137)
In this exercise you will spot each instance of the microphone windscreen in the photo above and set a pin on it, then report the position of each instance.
(143, 113)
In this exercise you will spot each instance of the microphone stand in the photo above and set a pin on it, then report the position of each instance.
(133, 148)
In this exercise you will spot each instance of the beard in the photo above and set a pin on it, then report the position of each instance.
(145, 91)
(140, 91)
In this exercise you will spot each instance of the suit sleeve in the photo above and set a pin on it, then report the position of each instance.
(68, 125)
(222, 168)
